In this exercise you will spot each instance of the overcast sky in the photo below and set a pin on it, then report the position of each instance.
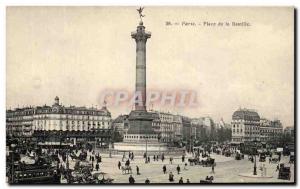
(77, 52)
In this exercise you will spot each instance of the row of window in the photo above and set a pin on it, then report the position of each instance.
(72, 122)
(141, 137)
(69, 126)
(75, 117)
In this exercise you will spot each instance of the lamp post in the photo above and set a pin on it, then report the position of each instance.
(191, 139)
(254, 168)
(254, 151)
(12, 163)
(146, 145)
(110, 142)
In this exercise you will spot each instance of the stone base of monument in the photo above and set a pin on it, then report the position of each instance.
(129, 146)
(153, 148)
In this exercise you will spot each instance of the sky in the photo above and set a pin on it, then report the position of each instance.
(78, 52)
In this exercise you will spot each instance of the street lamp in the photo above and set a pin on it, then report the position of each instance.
(146, 146)
(254, 151)
(110, 142)
(12, 162)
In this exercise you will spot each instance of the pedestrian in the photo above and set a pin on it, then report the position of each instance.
(147, 181)
(138, 170)
(154, 157)
(157, 158)
(148, 159)
(145, 155)
(164, 169)
(132, 156)
(97, 166)
(185, 166)
(180, 180)
(171, 177)
(188, 181)
(182, 158)
(213, 168)
(170, 160)
(178, 169)
(119, 165)
(131, 180)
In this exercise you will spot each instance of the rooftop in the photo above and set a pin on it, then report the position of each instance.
(246, 114)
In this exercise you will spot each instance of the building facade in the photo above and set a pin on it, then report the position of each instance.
(270, 130)
(19, 122)
(289, 130)
(121, 124)
(202, 130)
(245, 126)
(189, 131)
(205, 128)
(41, 119)
(168, 126)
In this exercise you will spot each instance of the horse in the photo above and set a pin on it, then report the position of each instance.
(126, 169)
(193, 161)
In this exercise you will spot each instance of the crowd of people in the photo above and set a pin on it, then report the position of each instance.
(85, 162)
(157, 158)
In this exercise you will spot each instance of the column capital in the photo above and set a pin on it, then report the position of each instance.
(140, 34)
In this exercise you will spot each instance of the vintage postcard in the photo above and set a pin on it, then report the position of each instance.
(150, 95)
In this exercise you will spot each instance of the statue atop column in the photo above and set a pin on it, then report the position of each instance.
(140, 11)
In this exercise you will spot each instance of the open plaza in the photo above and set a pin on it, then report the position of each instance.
(227, 170)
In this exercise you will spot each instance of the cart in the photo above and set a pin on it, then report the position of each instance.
(284, 172)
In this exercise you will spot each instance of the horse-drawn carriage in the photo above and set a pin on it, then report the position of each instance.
(82, 170)
(239, 156)
(227, 153)
(193, 161)
(218, 152)
(82, 173)
(40, 171)
(208, 162)
(126, 169)
(207, 179)
(284, 172)
(97, 176)
(292, 157)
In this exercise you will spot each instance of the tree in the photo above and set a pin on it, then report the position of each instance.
(223, 134)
